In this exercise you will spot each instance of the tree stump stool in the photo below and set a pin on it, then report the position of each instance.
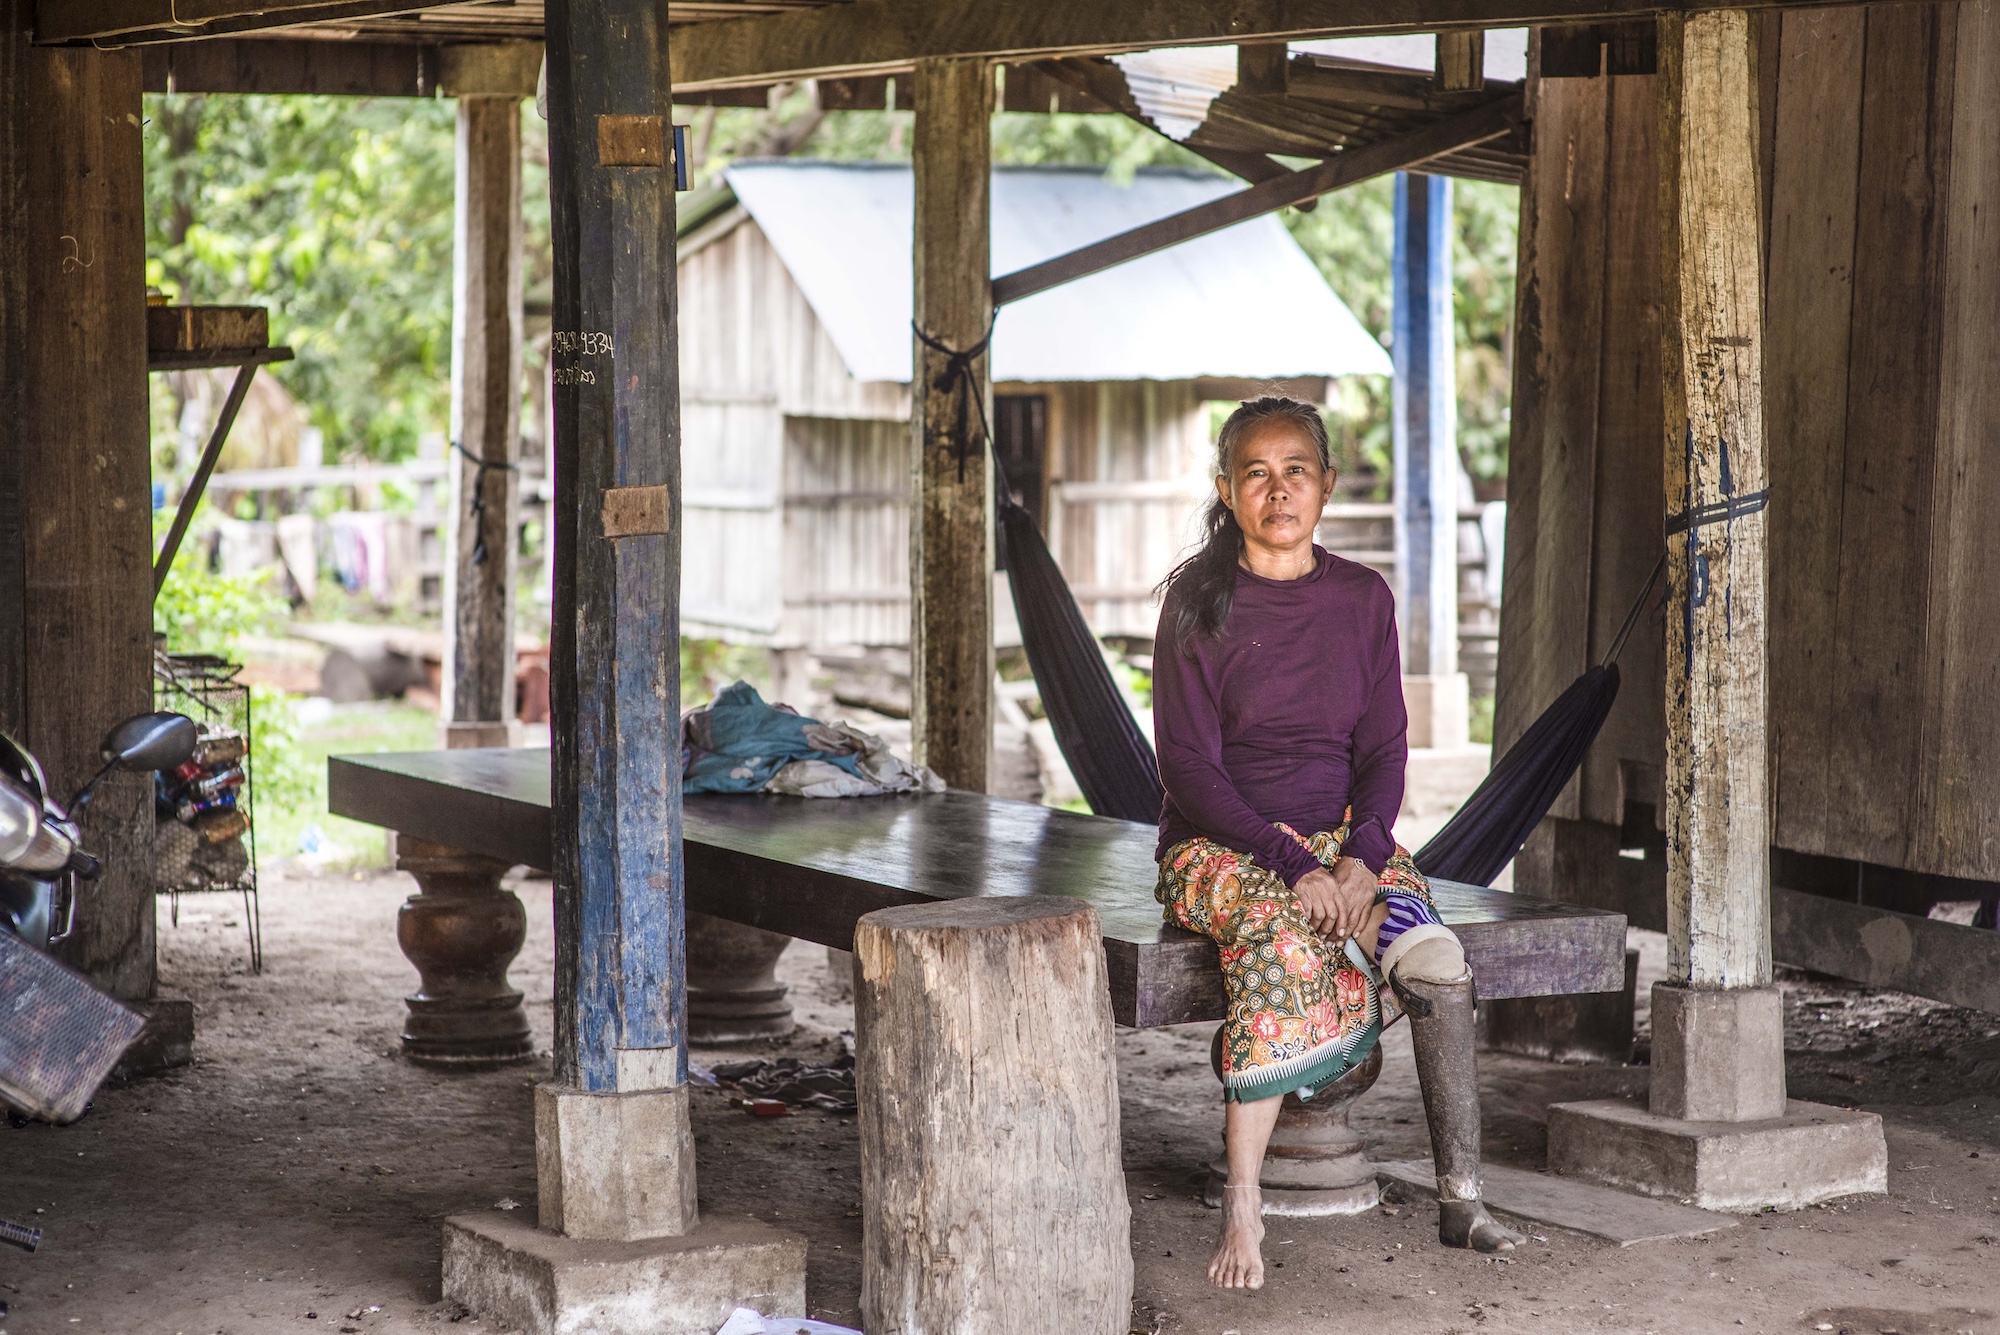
(733, 990)
(1316, 1163)
(461, 931)
(992, 1183)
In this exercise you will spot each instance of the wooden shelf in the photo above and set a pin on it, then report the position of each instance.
(211, 357)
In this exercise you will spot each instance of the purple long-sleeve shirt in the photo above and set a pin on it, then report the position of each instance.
(1295, 715)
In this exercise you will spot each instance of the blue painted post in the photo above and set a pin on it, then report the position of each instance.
(1426, 440)
(621, 996)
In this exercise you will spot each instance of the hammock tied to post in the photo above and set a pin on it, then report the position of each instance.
(1111, 759)
(1113, 763)
(1484, 835)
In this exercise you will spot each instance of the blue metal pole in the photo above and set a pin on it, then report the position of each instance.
(1426, 427)
(621, 993)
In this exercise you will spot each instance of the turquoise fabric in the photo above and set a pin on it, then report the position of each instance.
(739, 741)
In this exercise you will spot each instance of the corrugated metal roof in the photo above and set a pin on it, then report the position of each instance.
(1175, 86)
(1245, 302)
(1506, 51)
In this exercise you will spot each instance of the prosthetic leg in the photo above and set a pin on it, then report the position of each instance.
(1435, 987)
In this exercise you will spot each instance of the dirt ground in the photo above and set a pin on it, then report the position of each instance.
(294, 1177)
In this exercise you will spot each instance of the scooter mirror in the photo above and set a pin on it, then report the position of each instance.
(151, 742)
(20, 821)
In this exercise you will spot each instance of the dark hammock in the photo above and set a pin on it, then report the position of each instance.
(1484, 835)
(1119, 775)
(1113, 763)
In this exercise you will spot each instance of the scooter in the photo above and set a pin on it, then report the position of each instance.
(59, 1035)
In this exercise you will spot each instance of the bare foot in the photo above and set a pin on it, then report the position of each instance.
(1238, 1263)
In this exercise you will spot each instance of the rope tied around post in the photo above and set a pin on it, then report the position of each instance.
(958, 376)
(476, 512)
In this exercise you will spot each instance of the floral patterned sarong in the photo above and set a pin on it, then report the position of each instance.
(1301, 1014)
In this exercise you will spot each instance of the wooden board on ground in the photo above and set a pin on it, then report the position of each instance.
(811, 868)
(1581, 1207)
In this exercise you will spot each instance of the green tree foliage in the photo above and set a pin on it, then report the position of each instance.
(337, 213)
(334, 212)
(1351, 238)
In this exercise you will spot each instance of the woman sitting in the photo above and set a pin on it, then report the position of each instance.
(1278, 709)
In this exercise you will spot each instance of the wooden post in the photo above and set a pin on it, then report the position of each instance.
(951, 512)
(486, 424)
(1718, 836)
(75, 513)
(1461, 61)
(991, 1180)
(1717, 1129)
(614, 668)
(1426, 461)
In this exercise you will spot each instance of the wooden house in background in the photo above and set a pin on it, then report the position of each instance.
(795, 285)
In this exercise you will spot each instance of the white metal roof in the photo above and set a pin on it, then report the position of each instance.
(1244, 302)
(1506, 51)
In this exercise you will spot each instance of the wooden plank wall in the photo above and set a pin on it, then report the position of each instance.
(1584, 512)
(1883, 313)
(795, 534)
(1115, 540)
(752, 354)
(847, 532)
(76, 647)
(1959, 804)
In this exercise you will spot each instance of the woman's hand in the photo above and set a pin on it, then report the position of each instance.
(1337, 902)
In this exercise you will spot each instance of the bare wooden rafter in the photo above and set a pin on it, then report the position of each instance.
(1396, 153)
(877, 36)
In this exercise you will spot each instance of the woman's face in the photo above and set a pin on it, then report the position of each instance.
(1276, 486)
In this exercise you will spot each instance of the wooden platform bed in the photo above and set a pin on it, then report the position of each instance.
(810, 868)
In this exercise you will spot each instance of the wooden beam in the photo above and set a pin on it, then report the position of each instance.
(17, 189)
(68, 21)
(486, 424)
(1718, 849)
(1461, 61)
(1396, 153)
(75, 598)
(620, 993)
(951, 511)
(889, 36)
(277, 65)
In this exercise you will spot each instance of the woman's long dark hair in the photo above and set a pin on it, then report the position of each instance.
(1202, 587)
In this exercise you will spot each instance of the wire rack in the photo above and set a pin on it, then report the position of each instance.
(205, 688)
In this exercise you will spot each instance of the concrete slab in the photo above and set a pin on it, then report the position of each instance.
(1812, 1153)
(517, 1276)
(1615, 1216)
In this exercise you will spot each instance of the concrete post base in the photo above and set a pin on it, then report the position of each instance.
(1718, 1053)
(1440, 710)
(465, 736)
(614, 1165)
(518, 1277)
(1809, 1153)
